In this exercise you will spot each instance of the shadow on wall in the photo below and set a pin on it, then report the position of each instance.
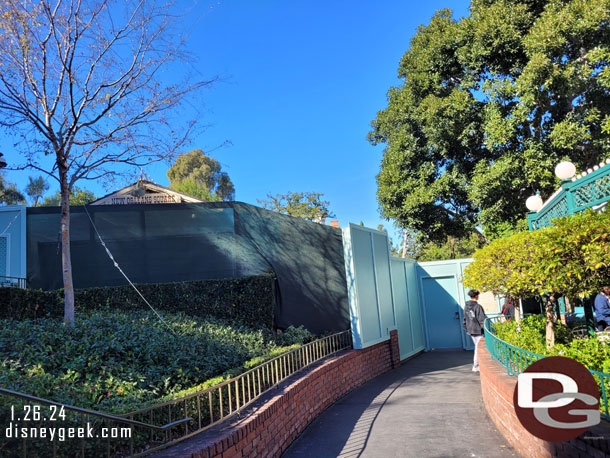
(180, 242)
(307, 259)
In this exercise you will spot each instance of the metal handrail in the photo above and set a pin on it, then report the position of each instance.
(96, 413)
(203, 409)
(515, 360)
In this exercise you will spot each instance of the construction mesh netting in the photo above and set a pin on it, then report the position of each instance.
(184, 242)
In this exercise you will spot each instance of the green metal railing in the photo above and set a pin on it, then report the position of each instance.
(161, 425)
(515, 360)
(583, 192)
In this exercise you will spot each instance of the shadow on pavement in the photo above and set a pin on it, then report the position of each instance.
(430, 406)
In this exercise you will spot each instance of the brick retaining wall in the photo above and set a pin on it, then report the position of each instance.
(497, 389)
(280, 417)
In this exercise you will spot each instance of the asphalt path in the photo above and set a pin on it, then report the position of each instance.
(430, 406)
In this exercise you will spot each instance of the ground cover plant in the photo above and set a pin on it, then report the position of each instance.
(117, 360)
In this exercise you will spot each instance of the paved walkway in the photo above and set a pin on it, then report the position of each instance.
(431, 406)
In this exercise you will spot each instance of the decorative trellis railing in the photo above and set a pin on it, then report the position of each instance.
(584, 191)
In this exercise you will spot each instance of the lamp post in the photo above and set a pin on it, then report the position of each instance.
(534, 203)
(565, 171)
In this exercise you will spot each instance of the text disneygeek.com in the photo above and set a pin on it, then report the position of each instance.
(60, 433)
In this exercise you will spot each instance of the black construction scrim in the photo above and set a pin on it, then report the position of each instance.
(180, 242)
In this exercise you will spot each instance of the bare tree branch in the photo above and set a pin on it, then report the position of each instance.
(85, 77)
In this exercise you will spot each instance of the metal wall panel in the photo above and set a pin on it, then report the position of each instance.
(13, 230)
(384, 282)
(416, 308)
(408, 307)
(369, 282)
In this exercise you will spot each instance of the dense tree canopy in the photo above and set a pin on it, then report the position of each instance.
(199, 175)
(488, 106)
(9, 194)
(307, 205)
(78, 196)
(452, 248)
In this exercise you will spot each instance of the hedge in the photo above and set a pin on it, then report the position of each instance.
(246, 299)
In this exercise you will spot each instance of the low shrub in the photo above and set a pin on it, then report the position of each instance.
(530, 333)
(592, 353)
(294, 335)
(247, 299)
(118, 361)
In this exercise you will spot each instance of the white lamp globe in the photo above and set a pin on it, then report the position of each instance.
(534, 203)
(565, 170)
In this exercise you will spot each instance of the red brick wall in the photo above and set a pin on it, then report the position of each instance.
(273, 426)
(497, 389)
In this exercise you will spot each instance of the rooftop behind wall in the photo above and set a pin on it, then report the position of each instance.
(180, 242)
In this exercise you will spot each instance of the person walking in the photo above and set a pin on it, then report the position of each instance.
(508, 310)
(474, 317)
(602, 308)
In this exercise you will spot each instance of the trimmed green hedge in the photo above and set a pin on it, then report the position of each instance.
(247, 299)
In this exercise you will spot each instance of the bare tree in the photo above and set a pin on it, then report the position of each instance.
(86, 86)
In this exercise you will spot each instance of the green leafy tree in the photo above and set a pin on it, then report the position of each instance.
(307, 205)
(570, 258)
(395, 250)
(504, 267)
(451, 248)
(9, 195)
(489, 104)
(35, 189)
(77, 197)
(199, 175)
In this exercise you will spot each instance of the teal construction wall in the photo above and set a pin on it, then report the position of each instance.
(13, 233)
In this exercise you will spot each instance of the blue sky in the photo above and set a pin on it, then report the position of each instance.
(300, 83)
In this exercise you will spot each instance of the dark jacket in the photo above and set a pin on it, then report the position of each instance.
(508, 311)
(474, 317)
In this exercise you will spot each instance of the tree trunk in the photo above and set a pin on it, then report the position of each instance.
(404, 245)
(550, 320)
(66, 261)
(518, 308)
